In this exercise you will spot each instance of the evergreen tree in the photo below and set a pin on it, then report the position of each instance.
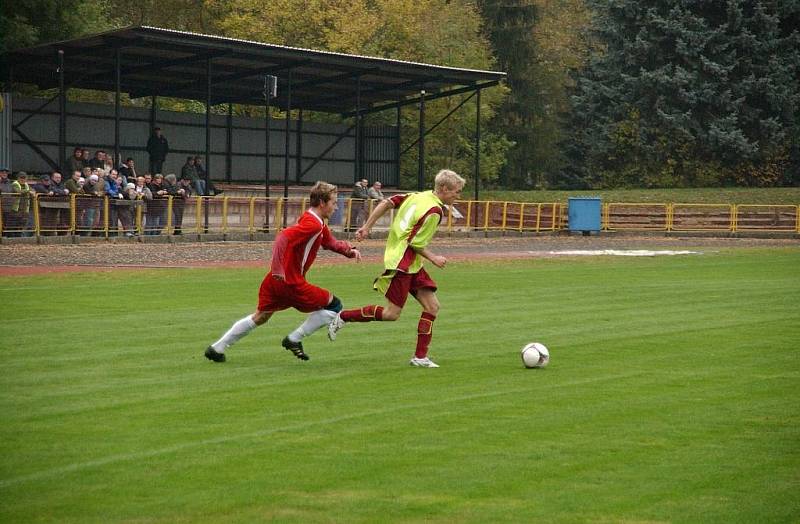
(25, 23)
(510, 26)
(689, 93)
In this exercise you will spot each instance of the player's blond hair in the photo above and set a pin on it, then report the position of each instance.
(448, 179)
(321, 193)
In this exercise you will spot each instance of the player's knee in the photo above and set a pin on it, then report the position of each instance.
(431, 307)
(390, 314)
(260, 317)
(335, 305)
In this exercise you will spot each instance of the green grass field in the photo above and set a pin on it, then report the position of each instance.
(673, 395)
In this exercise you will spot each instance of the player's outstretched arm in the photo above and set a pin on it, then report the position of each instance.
(437, 260)
(380, 210)
(342, 247)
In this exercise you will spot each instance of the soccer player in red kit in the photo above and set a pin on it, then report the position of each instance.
(285, 285)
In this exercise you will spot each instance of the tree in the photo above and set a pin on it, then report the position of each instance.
(433, 31)
(688, 94)
(25, 23)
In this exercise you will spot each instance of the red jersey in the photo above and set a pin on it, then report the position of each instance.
(296, 247)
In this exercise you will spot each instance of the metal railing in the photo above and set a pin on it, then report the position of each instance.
(678, 217)
(40, 215)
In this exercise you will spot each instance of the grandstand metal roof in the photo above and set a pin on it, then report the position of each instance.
(163, 62)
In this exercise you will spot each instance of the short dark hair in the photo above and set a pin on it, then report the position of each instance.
(129, 159)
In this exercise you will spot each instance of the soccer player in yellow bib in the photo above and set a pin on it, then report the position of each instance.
(415, 222)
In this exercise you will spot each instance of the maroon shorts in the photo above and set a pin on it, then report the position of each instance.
(404, 283)
(275, 295)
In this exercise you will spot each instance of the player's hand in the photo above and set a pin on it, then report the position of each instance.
(362, 233)
(438, 261)
(356, 254)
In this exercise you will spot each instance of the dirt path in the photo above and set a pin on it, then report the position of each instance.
(36, 259)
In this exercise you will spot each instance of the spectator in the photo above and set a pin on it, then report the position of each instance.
(126, 214)
(73, 185)
(21, 205)
(61, 213)
(179, 204)
(76, 161)
(186, 185)
(101, 180)
(113, 192)
(170, 185)
(85, 157)
(42, 186)
(57, 185)
(5, 201)
(375, 191)
(148, 180)
(358, 206)
(178, 195)
(5, 183)
(359, 191)
(46, 215)
(113, 186)
(201, 174)
(158, 148)
(189, 171)
(127, 171)
(86, 172)
(98, 161)
(94, 192)
(108, 165)
(142, 192)
(156, 208)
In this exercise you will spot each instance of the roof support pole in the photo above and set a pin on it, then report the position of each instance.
(62, 113)
(421, 164)
(270, 86)
(117, 86)
(208, 137)
(359, 132)
(398, 126)
(477, 141)
(298, 164)
(286, 140)
(229, 144)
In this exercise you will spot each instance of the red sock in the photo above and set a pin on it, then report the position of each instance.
(365, 314)
(424, 334)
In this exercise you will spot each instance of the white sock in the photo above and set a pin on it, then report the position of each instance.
(315, 320)
(239, 329)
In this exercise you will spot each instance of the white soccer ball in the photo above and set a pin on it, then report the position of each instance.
(535, 355)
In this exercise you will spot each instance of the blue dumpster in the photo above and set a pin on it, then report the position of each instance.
(584, 214)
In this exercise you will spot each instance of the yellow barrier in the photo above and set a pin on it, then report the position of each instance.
(751, 217)
(636, 217)
(703, 217)
(96, 216)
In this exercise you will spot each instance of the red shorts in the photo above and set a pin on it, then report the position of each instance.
(275, 295)
(404, 283)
